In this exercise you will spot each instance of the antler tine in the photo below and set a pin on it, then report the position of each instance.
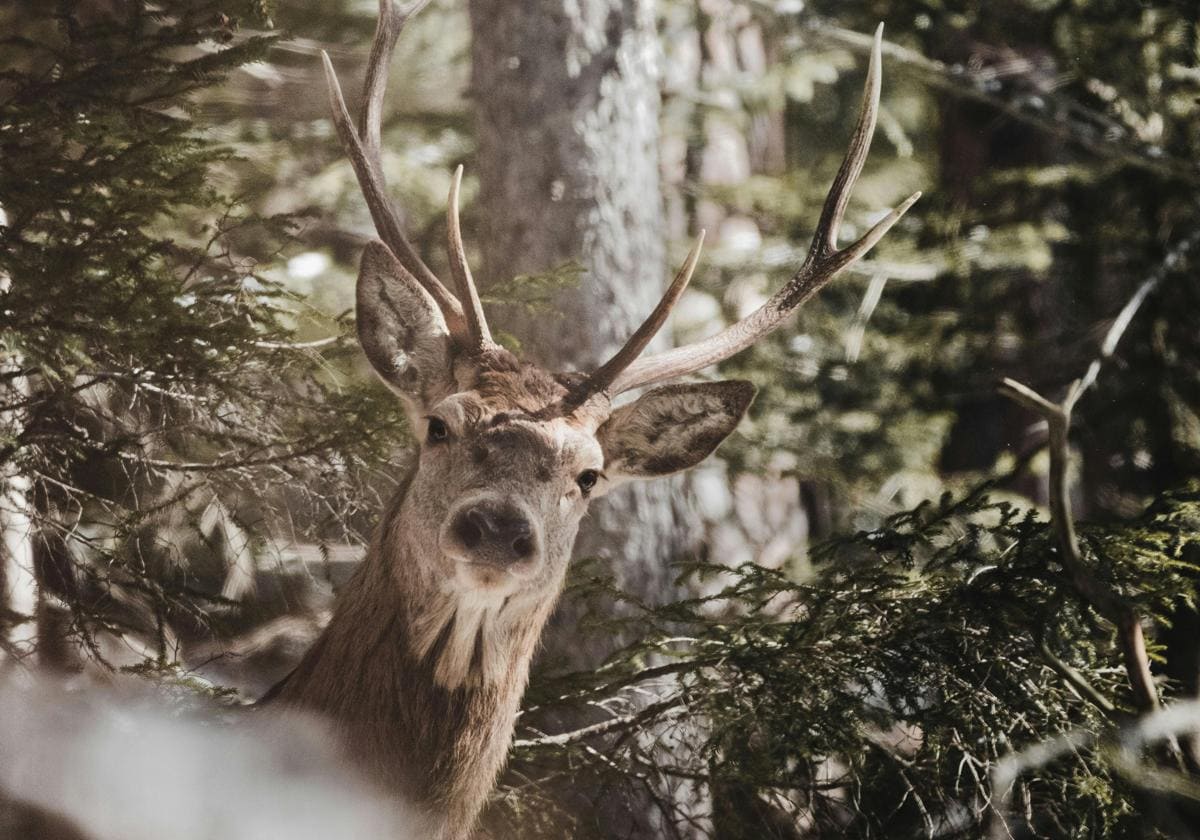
(823, 262)
(607, 373)
(838, 197)
(388, 27)
(365, 159)
(477, 327)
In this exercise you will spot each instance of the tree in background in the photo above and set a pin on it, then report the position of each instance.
(566, 100)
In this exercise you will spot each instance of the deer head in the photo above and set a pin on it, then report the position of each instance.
(512, 455)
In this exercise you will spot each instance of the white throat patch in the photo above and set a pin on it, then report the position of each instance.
(475, 637)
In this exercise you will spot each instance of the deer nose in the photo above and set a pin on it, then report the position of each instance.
(495, 533)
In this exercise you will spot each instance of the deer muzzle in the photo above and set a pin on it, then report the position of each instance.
(493, 533)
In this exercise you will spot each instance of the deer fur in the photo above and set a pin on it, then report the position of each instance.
(374, 673)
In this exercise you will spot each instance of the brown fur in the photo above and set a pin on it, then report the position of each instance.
(439, 748)
(427, 655)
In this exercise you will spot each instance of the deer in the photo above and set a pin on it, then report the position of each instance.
(424, 662)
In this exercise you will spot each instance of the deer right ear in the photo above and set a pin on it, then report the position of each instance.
(401, 330)
(671, 428)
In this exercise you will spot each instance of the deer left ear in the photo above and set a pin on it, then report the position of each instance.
(671, 428)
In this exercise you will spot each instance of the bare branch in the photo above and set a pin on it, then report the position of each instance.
(1029, 398)
(1059, 117)
(1125, 316)
(1101, 596)
(672, 705)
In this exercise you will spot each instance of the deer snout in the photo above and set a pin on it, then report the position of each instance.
(494, 533)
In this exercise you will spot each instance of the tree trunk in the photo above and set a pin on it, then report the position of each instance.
(567, 101)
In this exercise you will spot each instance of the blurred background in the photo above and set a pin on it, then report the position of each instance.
(859, 597)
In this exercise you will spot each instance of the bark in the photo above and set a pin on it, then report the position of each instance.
(567, 103)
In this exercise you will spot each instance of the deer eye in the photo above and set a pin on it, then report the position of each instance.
(438, 430)
(587, 480)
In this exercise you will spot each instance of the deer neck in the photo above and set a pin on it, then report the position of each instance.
(423, 685)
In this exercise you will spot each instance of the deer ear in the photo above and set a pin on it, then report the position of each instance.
(401, 330)
(672, 428)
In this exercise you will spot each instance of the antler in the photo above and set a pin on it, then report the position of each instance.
(823, 262)
(477, 327)
(363, 147)
(606, 374)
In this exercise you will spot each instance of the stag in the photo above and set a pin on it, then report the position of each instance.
(425, 660)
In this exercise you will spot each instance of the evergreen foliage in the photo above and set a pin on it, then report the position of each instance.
(875, 697)
(157, 396)
(176, 403)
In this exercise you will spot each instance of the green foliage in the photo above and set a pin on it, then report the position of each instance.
(174, 402)
(875, 698)
(153, 366)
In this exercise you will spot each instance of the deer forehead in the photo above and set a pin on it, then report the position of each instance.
(557, 441)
